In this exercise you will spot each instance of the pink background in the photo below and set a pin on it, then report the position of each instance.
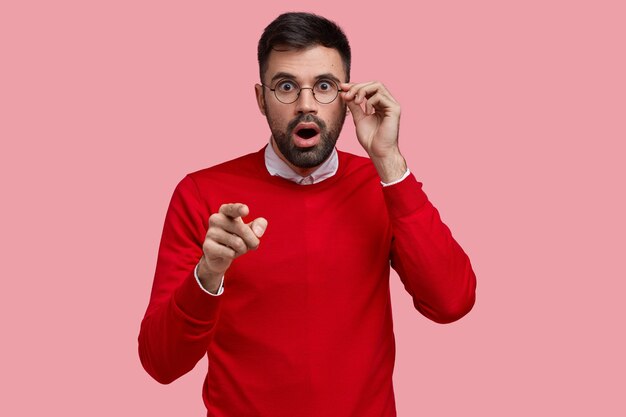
(513, 117)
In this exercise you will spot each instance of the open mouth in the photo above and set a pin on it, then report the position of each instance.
(307, 130)
(306, 133)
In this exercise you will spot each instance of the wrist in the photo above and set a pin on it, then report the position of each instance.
(209, 280)
(390, 167)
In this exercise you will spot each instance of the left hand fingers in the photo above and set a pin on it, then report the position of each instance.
(372, 94)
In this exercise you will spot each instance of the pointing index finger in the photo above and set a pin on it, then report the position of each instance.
(234, 210)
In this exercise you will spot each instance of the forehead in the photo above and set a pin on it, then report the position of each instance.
(305, 64)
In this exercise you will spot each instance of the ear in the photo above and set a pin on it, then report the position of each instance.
(260, 97)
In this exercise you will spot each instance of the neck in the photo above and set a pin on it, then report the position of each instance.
(303, 172)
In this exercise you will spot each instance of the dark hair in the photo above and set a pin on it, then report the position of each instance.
(301, 31)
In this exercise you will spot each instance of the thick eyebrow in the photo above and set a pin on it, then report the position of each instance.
(326, 76)
(280, 75)
(329, 76)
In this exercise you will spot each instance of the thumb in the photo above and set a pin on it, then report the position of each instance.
(258, 226)
(356, 110)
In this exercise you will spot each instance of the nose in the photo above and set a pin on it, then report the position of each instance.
(306, 102)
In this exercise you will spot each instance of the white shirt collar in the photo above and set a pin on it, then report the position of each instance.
(277, 167)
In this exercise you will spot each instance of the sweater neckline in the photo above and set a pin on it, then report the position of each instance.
(260, 159)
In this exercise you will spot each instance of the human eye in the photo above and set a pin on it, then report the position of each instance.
(325, 86)
(286, 86)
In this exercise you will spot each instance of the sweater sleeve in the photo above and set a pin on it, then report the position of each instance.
(180, 319)
(434, 269)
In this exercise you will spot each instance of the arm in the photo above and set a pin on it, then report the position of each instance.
(432, 266)
(177, 327)
(181, 317)
(434, 269)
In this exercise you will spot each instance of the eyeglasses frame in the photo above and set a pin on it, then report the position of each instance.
(339, 90)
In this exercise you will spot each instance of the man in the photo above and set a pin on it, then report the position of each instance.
(276, 264)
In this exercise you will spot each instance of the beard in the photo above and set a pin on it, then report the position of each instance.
(311, 156)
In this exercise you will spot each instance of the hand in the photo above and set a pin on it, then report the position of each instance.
(228, 237)
(376, 116)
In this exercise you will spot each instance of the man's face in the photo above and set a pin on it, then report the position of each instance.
(304, 131)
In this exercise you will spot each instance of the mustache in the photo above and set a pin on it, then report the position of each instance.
(306, 118)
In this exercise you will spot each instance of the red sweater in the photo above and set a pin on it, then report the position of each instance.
(304, 325)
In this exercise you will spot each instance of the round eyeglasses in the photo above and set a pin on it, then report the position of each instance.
(287, 91)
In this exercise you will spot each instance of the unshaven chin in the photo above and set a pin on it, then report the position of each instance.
(306, 143)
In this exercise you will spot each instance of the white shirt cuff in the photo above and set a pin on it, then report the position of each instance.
(220, 289)
(402, 178)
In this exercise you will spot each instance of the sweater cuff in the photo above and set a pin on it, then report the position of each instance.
(195, 303)
(404, 197)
